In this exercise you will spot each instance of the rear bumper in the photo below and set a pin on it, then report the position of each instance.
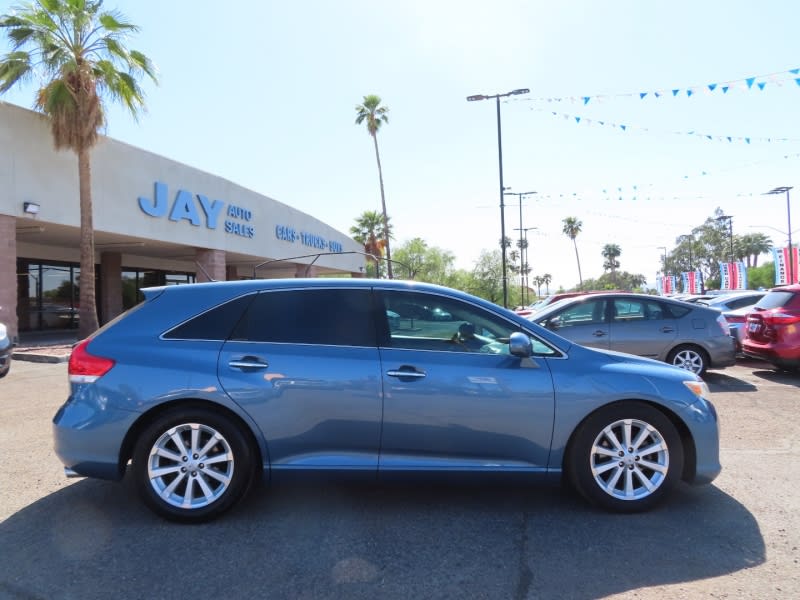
(87, 437)
(775, 353)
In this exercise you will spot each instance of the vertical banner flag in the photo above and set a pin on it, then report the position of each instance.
(781, 257)
(666, 285)
(692, 282)
(733, 276)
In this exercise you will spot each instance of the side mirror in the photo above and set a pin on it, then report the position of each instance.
(520, 345)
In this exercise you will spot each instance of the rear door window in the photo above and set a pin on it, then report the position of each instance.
(337, 317)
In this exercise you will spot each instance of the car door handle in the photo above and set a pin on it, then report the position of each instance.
(406, 372)
(599, 333)
(248, 362)
(667, 329)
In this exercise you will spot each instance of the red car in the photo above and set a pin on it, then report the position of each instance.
(772, 331)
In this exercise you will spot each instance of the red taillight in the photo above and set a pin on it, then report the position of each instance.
(85, 367)
(780, 318)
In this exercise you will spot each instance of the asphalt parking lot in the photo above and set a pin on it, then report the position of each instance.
(738, 538)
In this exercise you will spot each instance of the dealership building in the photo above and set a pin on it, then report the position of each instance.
(156, 222)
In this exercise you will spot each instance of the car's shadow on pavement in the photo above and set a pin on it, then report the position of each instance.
(719, 381)
(95, 540)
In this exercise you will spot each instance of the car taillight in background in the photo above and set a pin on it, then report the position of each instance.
(723, 324)
(85, 367)
(778, 317)
(735, 318)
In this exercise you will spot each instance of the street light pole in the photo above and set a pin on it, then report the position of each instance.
(520, 195)
(730, 231)
(497, 97)
(781, 190)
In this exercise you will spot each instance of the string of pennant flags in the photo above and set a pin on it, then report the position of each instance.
(647, 191)
(755, 82)
(625, 127)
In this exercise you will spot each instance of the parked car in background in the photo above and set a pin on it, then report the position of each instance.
(204, 388)
(737, 320)
(527, 311)
(6, 350)
(689, 336)
(733, 300)
(772, 332)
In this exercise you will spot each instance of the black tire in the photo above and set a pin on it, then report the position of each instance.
(219, 473)
(691, 358)
(620, 482)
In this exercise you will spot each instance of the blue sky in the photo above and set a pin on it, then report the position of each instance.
(263, 93)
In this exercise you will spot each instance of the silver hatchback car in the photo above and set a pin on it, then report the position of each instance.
(689, 336)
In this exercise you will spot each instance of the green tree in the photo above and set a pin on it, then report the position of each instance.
(487, 278)
(611, 252)
(761, 277)
(370, 232)
(416, 260)
(572, 227)
(374, 115)
(76, 54)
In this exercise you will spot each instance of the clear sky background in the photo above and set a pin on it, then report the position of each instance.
(263, 93)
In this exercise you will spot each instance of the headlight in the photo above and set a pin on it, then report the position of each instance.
(698, 388)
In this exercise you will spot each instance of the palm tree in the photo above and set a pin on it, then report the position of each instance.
(369, 232)
(751, 246)
(546, 279)
(610, 253)
(375, 115)
(572, 227)
(76, 53)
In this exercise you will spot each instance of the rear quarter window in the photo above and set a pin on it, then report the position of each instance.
(214, 324)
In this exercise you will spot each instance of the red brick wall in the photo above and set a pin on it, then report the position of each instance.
(212, 262)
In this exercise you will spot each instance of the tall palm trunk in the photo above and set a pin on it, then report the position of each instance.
(383, 206)
(88, 309)
(577, 258)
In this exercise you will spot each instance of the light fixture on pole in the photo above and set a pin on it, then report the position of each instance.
(497, 97)
(781, 190)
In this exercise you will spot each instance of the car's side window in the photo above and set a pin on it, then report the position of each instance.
(590, 312)
(214, 324)
(422, 321)
(338, 317)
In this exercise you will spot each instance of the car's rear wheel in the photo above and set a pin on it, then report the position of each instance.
(691, 358)
(192, 465)
(625, 457)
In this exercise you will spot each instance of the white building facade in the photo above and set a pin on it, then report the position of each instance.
(156, 222)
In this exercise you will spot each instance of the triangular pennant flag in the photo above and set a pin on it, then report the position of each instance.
(747, 140)
(729, 139)
(794, 71)
(657, 94)
(577, 119)
(642, 95)
(712, 87)
(797, 80)
(675, 92)
(586, 100)
(725, 89)
(689, 92)
(761, 85)
(622, 127)
(750, 81)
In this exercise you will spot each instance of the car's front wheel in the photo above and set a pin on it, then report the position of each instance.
(625, 457)
(192, 464)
